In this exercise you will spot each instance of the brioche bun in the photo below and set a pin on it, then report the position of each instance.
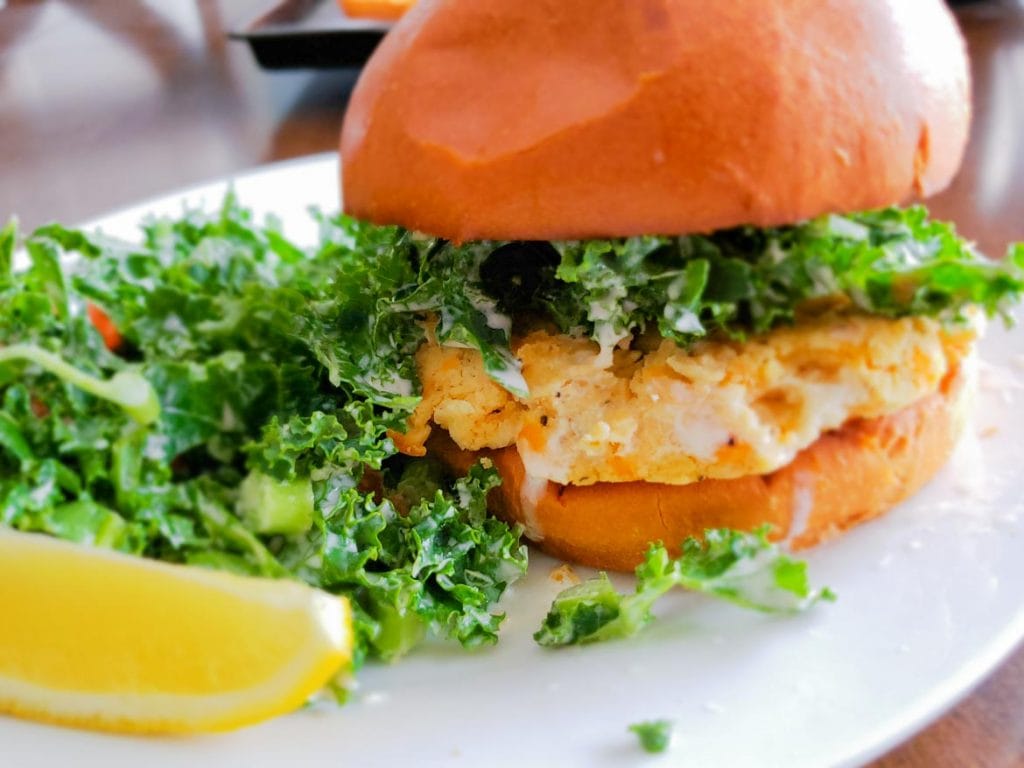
(592, 118)
(846, 477)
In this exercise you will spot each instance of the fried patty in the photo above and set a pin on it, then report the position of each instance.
(719, 409)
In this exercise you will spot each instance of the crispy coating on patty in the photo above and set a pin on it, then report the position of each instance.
(719, 409)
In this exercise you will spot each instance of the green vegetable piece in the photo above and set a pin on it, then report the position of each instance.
(8, 237)
(438, 568)
(419, 480)
(12, 439)
(589, 612)
(654, 735)
(86, 522)
(233, 533)
(275, 506)
(221, 561)
(397, 631)
(345, 440)
(46, 274)
(744, 568)
(128, 389)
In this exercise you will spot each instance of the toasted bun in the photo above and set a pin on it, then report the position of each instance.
(844, 478)
(586, 118)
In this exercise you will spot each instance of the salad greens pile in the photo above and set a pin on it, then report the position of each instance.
(230, 428)
(217, 395)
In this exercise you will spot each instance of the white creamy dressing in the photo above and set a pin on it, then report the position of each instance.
(825, 407)
(41, 493)
(687, 322)
(499, 321)
(512, 379)
(465, 497)
(757, 577)
(770, 451)
(228, 419)
(156, 447)
(844, 227)
(341, 482)
(972, 477)
(530, 493)
(396, 385)
(545, 465)
(700, 435)
(601, 308)
(485, 305)
(551, 463)
(173, 325)
(803, 503)
(607, 338)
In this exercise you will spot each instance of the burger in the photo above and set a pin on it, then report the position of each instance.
(663, 284)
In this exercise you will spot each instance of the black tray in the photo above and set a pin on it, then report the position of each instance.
(316, 34)
(311, 34)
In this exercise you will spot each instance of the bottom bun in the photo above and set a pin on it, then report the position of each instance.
(846, 477)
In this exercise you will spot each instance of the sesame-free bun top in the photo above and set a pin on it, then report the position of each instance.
(546, 119)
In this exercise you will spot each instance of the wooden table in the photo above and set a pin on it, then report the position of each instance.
(108, 102)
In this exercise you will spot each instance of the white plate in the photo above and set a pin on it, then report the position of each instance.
(929, 602)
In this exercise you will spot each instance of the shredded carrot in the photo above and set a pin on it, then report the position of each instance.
(735, 452)
(533, 433)
(102, 322)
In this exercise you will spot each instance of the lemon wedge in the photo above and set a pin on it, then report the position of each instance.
(97, 639)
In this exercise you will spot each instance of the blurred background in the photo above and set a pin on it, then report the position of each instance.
(127, 99)
(109, 102)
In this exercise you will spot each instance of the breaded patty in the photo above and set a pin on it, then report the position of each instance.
(719, 409)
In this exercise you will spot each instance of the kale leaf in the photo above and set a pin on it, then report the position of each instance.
(743, 568)
(891, 262)
(654, 735)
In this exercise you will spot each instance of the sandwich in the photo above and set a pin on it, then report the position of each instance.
(662, 279)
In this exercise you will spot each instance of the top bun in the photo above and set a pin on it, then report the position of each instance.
(505, 119)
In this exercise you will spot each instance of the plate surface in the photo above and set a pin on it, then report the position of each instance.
(929, 602)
